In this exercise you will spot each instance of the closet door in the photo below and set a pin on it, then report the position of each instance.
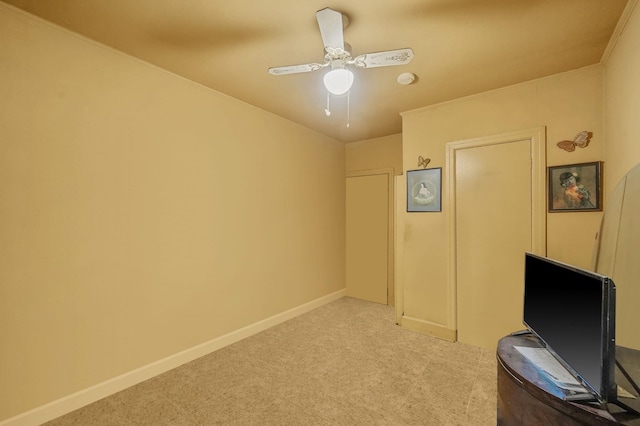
(493, 197)
(367, 237)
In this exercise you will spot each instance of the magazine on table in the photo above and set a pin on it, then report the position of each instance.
(555, 371)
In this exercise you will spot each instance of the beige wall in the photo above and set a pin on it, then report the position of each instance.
(622, 152)
(377, 153)
(142, 214)
(566, 104)
(622, 102)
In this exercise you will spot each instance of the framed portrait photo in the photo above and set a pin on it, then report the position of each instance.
(424, 190)
(575, 187)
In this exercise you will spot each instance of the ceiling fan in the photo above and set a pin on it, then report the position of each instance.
(339, 80)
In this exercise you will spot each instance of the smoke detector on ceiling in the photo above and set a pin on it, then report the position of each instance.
(406, 78)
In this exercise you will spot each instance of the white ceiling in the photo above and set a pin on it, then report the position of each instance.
(461, 47)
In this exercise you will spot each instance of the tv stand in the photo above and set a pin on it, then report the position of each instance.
(527, 397)
(628, 365)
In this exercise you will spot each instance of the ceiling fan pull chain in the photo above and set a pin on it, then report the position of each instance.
(327, 110)
(348, 107)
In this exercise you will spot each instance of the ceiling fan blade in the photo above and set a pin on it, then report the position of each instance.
(294, 69)
(384, 59)
(331, 29)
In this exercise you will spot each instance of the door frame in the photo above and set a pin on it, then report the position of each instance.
(537, 139)
(390, 172)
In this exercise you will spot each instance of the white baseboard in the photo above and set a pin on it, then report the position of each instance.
(94, 393)
(428, 328)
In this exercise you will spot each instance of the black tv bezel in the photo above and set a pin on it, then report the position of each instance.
(608, 389)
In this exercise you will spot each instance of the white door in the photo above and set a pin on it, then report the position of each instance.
(367, 237)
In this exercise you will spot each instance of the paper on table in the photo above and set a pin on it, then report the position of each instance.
(543, 359)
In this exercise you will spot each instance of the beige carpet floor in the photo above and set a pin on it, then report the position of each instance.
(345, 363)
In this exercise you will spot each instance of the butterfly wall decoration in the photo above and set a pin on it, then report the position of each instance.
(581, 140)
(423, 162)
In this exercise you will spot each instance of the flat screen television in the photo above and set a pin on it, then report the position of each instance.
(572, 311)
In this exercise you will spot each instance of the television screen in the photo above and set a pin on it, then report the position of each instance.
(573, 312)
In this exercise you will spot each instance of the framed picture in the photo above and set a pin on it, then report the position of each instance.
(424, 190)
(575, 187)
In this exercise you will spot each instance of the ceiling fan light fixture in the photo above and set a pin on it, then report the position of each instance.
(338, 81)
